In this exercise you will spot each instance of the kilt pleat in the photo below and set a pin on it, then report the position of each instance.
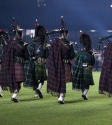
(19, 72)
(68, 73)
(40, 72)
(88, 77)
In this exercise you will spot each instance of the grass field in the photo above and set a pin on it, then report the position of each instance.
(31, 111)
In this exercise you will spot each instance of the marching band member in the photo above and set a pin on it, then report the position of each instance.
(82, 69)
(59, 66)
(35, 66)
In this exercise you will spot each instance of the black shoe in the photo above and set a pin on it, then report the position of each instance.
(15, 99)
(39, 93)
(1, 95)
(84, 97)
(61, 102)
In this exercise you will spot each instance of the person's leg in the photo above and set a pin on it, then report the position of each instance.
(62, 93)
(68, 78)
(1, 95)
(38, 76)
(36, 94)
(15, 94)
(41, 82)
(35, 88)
(84, 94)
(38, 89)
(61, 98)
(19, 85)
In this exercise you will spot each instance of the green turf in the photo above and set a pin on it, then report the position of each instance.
(30, 111)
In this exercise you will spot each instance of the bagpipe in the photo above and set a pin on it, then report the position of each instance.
(3, 39)
(14, 28)
(55, 31)
(4, 36)
(58, 31)
(63, 27)
(101, 42)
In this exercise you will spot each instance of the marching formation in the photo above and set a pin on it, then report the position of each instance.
(22, 62)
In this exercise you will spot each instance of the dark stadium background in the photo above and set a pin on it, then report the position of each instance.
(79, 15)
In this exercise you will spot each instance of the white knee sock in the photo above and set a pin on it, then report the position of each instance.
(15, 94)
(85, 92)
(61, 98)
(0, 90)
(39, 86)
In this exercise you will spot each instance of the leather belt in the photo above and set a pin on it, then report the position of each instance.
(40, 61)
(19, 59)
(66, 61)
(85, 65)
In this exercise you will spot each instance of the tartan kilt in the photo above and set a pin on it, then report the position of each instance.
(19, 72)
(68, 73)
(40, 72)
(87, 76)
(29, 74)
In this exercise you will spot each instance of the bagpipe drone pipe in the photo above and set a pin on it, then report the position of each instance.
(54, 32)
(14, 28)
(101, 44)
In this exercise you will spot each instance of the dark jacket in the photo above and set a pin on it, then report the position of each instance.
(24, 52)
(69, 52)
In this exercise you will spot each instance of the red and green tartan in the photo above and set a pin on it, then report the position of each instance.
(19, 72)
(56, 70)
(68, 73)
(105, 82)
(7, 67)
